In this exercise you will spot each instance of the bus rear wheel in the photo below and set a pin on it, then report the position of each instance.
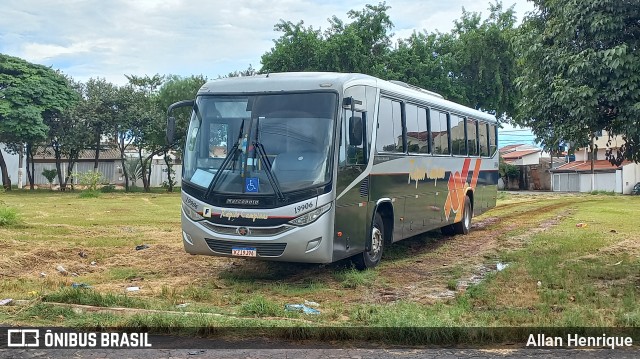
(371, 258)
(464, 226)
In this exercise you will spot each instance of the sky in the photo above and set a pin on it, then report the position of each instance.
(111, 38)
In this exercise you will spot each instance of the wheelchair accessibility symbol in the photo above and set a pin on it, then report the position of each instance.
(251, 184)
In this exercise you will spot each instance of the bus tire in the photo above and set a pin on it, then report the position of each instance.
(371, 258)
(464, 226)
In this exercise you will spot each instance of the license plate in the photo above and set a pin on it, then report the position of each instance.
(243, 252)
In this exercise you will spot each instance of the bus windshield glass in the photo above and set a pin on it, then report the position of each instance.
(260, 144)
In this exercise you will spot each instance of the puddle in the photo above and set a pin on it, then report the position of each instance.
(478, 275)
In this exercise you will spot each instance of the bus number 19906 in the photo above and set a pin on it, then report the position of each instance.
(304, 207)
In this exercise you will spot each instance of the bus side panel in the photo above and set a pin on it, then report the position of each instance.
(352, 216)
(393, 186)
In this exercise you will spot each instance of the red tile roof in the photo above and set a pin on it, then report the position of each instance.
(580, 166)
(509, 148)
(518, 154)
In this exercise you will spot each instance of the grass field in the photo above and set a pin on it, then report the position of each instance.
(555, 273)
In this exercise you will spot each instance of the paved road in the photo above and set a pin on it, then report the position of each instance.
(320, 353)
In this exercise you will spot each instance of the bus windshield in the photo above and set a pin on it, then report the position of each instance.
(260, 144)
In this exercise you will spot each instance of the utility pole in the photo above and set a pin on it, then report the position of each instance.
(20, 164)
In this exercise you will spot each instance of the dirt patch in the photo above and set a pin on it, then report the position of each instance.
(448, 265)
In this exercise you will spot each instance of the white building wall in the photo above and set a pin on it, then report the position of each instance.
(619, 182)
(12, 166)
(603, 182)
(630, 176)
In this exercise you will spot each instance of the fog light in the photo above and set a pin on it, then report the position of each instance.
(313, 244)
(187, 238)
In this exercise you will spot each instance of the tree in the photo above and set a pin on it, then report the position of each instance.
(581, 72)
(126, 113)
(484, 66)
(175, 89)
(99, 107)
(29, 93)
(359, 46)
(68, 135)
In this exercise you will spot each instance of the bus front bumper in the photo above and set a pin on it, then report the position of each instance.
(312, 243)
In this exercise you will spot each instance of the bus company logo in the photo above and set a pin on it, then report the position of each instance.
(23, 338)
(457, 186)
(243, 201)
(243, 231)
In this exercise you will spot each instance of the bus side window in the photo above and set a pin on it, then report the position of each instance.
(472, 137)
(439, 132)
(415, 138)
(483, 130)
(493, 143)
(458, 145)
(389, 138)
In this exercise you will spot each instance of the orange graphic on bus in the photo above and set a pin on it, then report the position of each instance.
(458, 186)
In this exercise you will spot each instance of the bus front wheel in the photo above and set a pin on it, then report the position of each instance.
(371, 258)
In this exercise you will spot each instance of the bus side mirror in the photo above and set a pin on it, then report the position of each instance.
(355, 131)
(171, 129)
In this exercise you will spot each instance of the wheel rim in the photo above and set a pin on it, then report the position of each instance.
(467, 217)
(376, 243)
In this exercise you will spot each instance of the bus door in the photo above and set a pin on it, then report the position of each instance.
(352, 186)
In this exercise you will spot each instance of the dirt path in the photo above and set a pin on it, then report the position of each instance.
(444, 265)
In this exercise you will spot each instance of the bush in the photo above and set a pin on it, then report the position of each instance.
(50, 175)
(108, 188)
(8, 216)
(90, 194)
(90, 179)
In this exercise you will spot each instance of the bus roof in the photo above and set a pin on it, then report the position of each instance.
(308, 81)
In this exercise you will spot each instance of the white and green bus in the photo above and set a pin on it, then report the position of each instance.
(318, 167)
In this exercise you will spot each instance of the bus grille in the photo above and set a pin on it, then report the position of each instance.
(364, 187)
(255, 231)
(263, 249)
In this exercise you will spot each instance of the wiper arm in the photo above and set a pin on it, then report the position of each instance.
(267, 165)
(259, 148)
(231, 157)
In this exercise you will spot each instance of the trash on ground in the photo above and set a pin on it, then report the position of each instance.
(141, 247)
(83, 254)
(183, 305)
(5, 301)
(62, 270)
(617, 264)
(539, 284)
(80, 285)
(133, 289)
(93, 263)
(501, 266)
(300, 308)
(75, 275)
(43, 274)
(581, 225)
(311, 304)
(613, 231)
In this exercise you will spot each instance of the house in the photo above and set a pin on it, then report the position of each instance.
(533, 165)
(108, 164)
(576, 176)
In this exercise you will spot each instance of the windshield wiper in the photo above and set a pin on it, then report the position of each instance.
(259, 148)
(231, 157)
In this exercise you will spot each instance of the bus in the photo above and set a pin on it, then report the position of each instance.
(320, 167)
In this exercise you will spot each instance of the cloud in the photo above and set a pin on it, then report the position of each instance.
(94, 38)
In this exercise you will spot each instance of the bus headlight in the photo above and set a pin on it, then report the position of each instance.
(310, 217)
(191, 213)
